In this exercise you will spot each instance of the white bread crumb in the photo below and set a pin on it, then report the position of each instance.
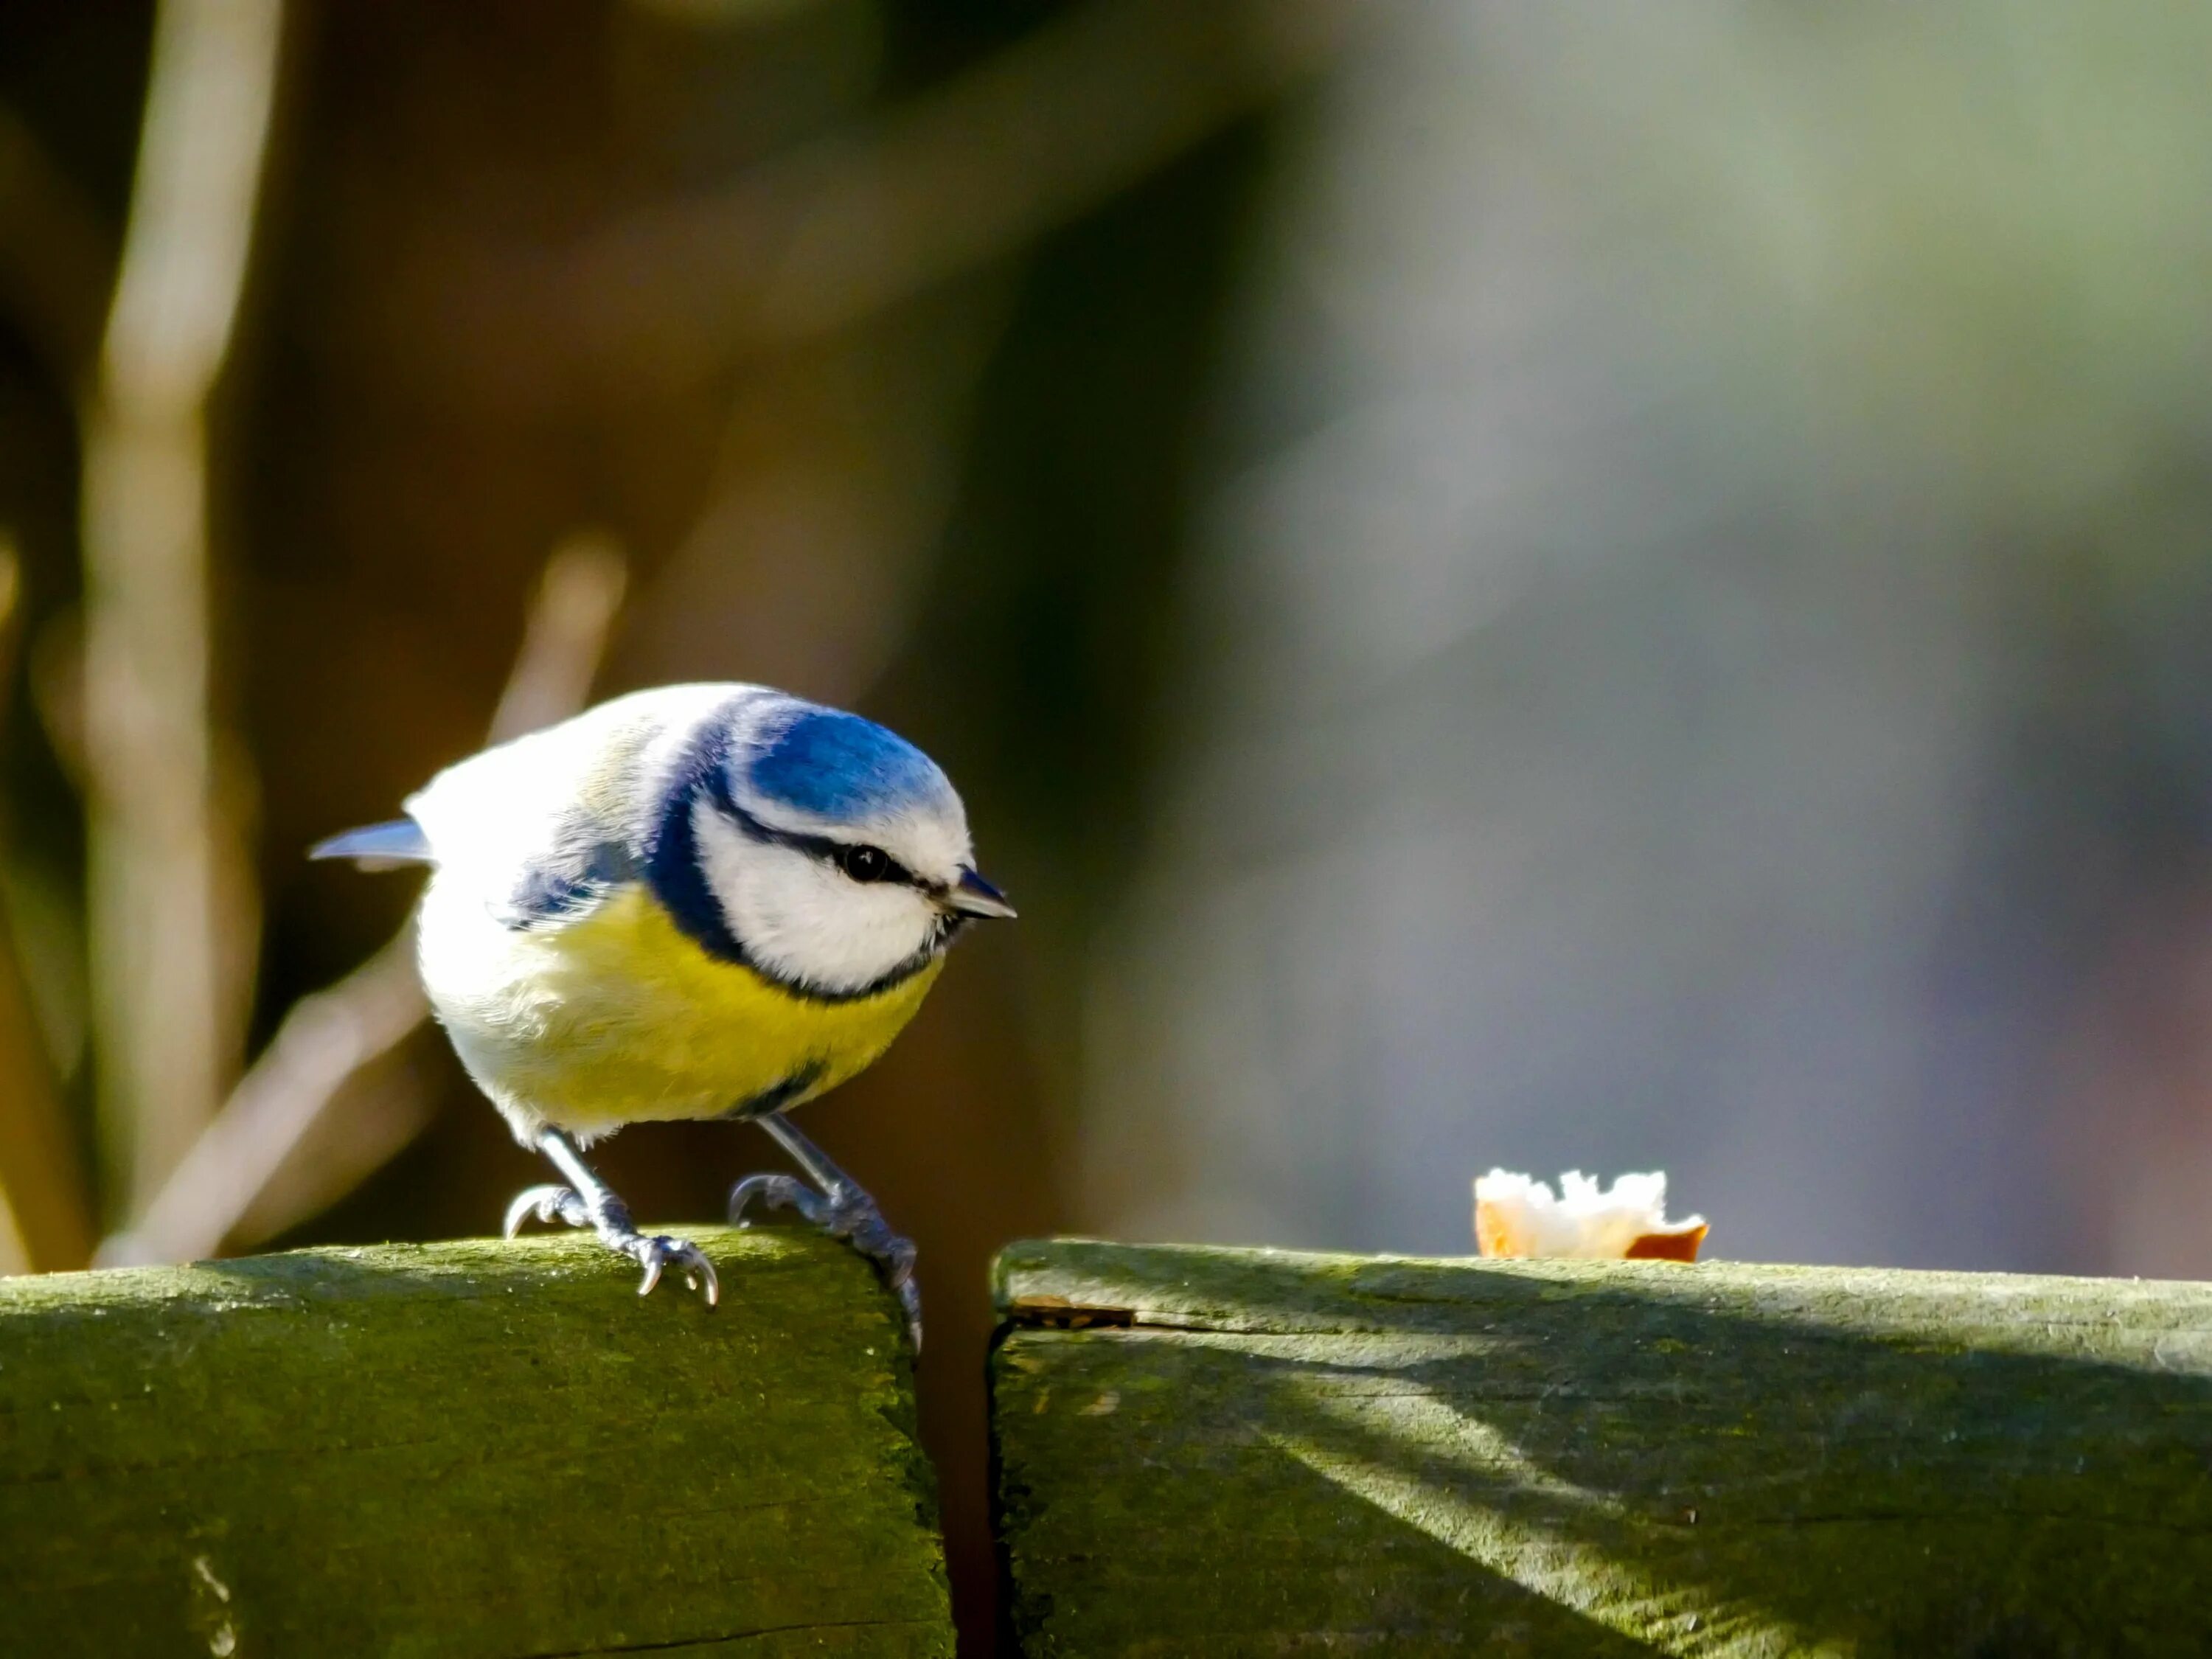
(1516, 1216)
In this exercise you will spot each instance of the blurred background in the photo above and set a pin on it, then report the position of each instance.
(1573, 586)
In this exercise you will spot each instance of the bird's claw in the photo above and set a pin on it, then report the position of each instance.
(655, 1255)
(548, 1204)
(910, 1297)
(845, 1212)
(778, 1192)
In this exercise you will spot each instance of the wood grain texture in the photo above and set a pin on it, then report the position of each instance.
(473, 1450)
(1245, 1452)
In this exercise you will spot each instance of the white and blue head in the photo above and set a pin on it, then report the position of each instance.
(828, 853)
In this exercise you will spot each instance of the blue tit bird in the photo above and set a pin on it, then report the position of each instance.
(694, 901)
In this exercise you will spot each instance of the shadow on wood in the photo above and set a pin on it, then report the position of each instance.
(475, 1448)
(1243, 1452)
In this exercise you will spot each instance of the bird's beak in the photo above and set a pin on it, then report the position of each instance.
(972, 896)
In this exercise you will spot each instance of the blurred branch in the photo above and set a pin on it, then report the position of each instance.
(578, 598)
(1027, 140)
(45, 1218)
(163, 852)
(818, 239)
(329, 1037)
(55, 254)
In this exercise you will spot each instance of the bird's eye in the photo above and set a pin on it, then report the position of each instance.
(865, 863)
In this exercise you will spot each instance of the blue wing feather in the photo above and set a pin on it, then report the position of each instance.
(399, 842)
(566, 883)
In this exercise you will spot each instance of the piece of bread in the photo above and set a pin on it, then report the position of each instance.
(1516, 1216)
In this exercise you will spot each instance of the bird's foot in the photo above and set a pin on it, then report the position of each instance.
(549, 1204)
(842, 1212)
(609, 1220)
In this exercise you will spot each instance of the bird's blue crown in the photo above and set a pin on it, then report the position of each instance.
(836, 765)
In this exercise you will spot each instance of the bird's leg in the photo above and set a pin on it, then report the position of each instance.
(837, 1205)
(589, 1202)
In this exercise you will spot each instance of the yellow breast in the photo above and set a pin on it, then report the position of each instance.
(619, 1017)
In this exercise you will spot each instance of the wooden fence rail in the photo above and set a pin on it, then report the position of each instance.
(471, 1450)
(1228, 1452)
(489, 1451)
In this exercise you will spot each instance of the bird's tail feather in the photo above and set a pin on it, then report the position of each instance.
(399, 842)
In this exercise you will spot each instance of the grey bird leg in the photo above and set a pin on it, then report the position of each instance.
(840, 1208)
(588, 1202)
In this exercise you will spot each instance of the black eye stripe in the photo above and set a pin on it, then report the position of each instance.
(834, 854)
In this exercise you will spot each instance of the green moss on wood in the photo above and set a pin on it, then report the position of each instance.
(1249, 1452)
(468, 1449)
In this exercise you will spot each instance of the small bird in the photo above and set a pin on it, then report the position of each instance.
(713, 901)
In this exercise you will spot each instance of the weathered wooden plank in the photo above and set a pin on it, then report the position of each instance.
(1246, 1452)
(474, 1450)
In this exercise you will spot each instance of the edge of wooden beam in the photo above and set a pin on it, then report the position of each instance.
(484, 1448)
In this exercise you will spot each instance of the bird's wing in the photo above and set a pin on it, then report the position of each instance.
(566, 879)
(548, 826)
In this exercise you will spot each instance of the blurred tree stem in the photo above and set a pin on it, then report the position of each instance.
(169, 893)
(246, 1159)
(827, 234)
(45, 1219)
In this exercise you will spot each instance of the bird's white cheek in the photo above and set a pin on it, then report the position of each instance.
(798, 918)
